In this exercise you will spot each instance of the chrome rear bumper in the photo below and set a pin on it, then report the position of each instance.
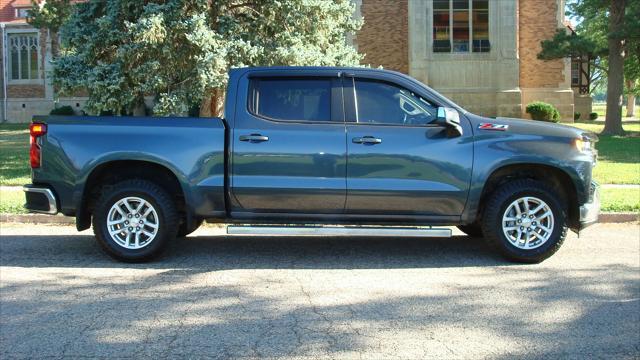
(40, 200)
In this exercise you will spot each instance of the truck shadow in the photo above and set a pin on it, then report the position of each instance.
(210, 253)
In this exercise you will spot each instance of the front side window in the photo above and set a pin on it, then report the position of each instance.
(292, 99)
(24, 52)
(461, 26)
(384, 103)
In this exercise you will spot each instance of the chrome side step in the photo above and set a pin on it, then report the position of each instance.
(254, 230)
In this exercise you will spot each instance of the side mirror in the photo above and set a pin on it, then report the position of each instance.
(450, 119)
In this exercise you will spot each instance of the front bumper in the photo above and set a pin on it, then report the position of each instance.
(590, 211)
(40, 200)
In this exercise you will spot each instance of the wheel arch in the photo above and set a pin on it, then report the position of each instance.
(557, 178)
(110, 172)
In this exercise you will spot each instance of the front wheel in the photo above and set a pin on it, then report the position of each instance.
(134, 220)
(524, 221)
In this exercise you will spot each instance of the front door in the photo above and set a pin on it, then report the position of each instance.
(289, 151)
(399, 162)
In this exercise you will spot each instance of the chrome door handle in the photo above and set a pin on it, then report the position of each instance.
(254, 138)
(369, 140)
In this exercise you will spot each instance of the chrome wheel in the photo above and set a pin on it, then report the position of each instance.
(133, 223)
(528, 223)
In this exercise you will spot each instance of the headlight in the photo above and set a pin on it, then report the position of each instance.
(583, 145)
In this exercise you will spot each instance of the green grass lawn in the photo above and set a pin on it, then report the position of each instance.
(601, 109)
(618, 157)
(14, 154)
(620, 200)
(11, 202)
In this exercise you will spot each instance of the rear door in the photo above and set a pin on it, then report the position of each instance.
(288, 144)
(399, 162)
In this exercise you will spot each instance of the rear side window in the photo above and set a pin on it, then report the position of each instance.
(291, 99)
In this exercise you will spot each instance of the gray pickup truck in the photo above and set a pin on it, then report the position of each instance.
(317, 151)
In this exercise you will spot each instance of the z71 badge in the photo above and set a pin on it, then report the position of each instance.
(494, 127)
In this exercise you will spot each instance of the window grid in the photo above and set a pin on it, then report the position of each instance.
(24, 56)
(460, 26)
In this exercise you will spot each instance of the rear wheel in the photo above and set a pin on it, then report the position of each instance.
(134, 220)
(525, 221)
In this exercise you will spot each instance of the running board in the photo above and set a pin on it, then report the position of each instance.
(337, 231)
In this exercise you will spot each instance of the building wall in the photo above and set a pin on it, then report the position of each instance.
(540, 80)
(483, 83)
(498, 83)
(32, 97)
(384, 35)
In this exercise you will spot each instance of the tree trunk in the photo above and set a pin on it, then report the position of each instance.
(139, 108)
(615, 82)
(55, 44)
(213, 104)
(631, 106)
(631, 99)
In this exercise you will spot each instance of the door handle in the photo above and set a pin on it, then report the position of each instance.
(368, 140)
(254, 138)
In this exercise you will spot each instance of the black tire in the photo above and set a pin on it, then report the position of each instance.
(474, 230)
(184, 231)
(497, 205)
(154, 195)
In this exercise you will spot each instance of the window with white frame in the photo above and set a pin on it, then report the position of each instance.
(24, 56)
(461, 26)
(22, 13)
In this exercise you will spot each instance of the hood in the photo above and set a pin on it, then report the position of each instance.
(531, 127)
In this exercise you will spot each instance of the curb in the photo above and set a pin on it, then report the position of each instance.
(67, 220)
(37, 219)
(618, 217)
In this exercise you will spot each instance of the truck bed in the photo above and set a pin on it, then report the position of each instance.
(192, 148)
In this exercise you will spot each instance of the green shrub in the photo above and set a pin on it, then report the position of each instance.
(593, 116)
(576, 116)
(542, 111)
(62, 110)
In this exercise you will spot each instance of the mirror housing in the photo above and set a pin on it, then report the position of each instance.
(450, 119)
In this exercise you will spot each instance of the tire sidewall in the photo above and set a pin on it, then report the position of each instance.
(558, 232)
(105, 239)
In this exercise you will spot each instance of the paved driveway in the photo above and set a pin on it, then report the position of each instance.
(318, 297)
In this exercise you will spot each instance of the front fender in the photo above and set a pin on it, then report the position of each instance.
(496, 151)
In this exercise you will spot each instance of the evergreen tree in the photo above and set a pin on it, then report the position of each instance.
(181, 50)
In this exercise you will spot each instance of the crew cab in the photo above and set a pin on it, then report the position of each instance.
(317, 151)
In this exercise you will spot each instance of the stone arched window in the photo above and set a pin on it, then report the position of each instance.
(24, 56)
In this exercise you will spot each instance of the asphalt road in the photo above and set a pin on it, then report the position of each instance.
(215, 297)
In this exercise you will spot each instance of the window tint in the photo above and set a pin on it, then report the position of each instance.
(384, 103)
(292, 99)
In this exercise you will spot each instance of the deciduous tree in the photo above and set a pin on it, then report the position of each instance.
(608, 34)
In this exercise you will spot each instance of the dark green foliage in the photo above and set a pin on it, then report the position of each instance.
(62, 110)
(593, 116)
(543, 111)
(576, 116)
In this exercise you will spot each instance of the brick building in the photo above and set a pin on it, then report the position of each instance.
(480, 53)
(25, 61)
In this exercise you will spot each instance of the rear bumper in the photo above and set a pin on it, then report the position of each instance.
(40, 200)
(590, 211)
